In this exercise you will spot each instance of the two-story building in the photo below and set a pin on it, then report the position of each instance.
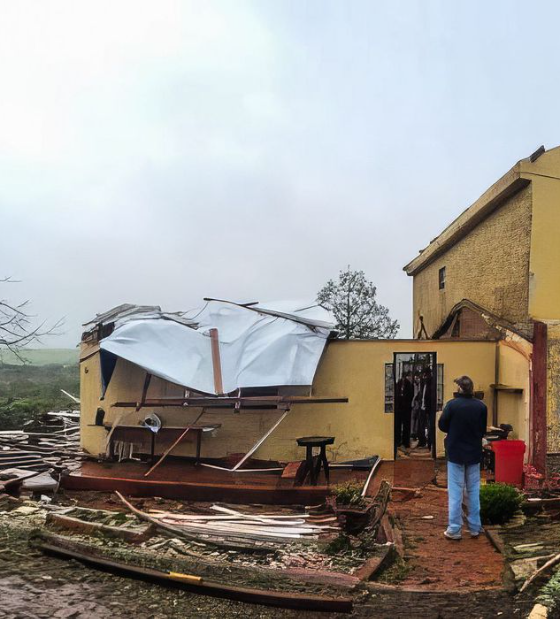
(494, 272)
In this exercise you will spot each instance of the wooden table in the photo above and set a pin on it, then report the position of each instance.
(310, 466)
(128, 432)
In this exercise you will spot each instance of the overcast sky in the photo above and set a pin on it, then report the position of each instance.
(159, 152)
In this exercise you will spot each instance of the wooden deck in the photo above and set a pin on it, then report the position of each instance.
(180, 479)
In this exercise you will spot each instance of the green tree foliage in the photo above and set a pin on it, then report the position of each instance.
(352, 301)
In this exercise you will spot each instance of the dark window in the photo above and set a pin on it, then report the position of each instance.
(441, 276)
(389, 388)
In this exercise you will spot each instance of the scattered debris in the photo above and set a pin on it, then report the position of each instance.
(232, 527)
(195, 583)
(547, 566)
(539, 612)
(52, 441)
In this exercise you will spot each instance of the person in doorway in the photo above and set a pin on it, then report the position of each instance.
(425, 412)
(403, 404)
(415, 407)
(464, 420)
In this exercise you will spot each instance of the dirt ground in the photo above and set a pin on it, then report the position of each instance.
(436, 579)
(434, 562)
(36, 586)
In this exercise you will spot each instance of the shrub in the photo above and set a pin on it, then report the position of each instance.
(349, 494)
(499, 502)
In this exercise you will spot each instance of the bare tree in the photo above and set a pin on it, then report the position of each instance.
(352, 301)
(18, 328)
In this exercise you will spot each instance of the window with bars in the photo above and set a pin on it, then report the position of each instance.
(440, 400)
(389, 389)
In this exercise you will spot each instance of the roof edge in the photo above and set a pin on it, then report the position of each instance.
(509, 184)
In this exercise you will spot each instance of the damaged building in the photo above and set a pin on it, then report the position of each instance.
(249, 381)
(493, 274)
(233, 387)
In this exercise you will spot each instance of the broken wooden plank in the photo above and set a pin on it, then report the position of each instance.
(173, 445)
(194, 583)
(370, 476)
(207, 539)
(374, 565)
(216, 361)
(493, 535)
(293, 470)
(261, 440)
(92, 527)
(546, 566)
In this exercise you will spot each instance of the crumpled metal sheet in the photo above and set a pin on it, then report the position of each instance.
(273, 345)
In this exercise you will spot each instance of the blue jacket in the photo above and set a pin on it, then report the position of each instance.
(464, 420)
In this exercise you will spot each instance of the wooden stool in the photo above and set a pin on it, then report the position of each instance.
(310, 467)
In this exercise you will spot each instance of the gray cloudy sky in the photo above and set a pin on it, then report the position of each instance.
(158, 152)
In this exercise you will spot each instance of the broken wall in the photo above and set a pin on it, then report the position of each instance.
(353, 369)
(553, 389)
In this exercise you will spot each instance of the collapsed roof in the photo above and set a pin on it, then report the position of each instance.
(277, 344)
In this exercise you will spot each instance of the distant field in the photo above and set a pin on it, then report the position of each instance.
(41, 357)
(27, 390)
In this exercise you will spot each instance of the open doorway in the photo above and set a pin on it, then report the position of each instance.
(415, 404)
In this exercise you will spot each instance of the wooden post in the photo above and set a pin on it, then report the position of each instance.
(147, 380)
(496, 383)
(216, 362)
(538, 435)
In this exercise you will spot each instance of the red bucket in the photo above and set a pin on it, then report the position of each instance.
(509, 460)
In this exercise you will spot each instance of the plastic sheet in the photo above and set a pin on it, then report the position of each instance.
(260, 346)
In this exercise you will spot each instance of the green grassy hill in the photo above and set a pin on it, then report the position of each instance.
(41, 357)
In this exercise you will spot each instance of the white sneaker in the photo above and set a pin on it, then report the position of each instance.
(452, 536)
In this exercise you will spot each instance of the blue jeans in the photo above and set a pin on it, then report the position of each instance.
(459, 478)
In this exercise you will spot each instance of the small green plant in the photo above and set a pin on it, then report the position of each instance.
(341, 544)
(349, 494)
(499, 502)
(396, 572)
(549, 594)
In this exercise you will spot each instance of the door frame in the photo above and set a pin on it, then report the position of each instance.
(433, 354)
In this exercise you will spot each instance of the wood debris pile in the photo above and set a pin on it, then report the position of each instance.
(51, 442)
(253, 526)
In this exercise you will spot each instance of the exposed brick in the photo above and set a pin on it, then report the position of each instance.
(553, 388)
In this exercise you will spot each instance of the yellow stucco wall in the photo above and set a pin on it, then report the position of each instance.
(489, 266)
(544, 174)
(514, 371)
(353, 369)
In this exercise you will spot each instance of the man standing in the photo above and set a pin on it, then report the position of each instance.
(464, 420)
(427, 412)
(403, 405)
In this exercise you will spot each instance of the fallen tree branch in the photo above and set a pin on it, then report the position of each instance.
(553, 561)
